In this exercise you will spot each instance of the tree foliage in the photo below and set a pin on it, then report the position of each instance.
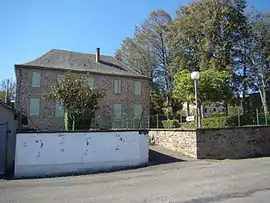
(224, 40)
(77, 98)
(212, 86)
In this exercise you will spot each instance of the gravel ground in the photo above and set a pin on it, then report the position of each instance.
(180, 182)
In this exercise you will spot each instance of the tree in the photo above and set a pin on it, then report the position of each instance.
(260, 57)
(149, 53)
(133, 54)
(212, 87)
(205, 33)
(77, 98)
(2, 95)
(8, 86)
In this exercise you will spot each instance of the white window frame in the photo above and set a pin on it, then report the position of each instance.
(59, 111)
(31, 108)
(36, 79)
(117, 86)
(138, 88)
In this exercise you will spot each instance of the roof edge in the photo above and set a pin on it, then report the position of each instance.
(98, 73)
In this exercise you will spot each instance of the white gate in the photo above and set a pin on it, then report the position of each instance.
(3, 147)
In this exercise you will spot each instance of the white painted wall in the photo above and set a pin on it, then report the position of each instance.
(39, 154)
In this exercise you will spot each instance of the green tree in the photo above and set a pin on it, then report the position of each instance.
(205, 33)
(77, 98)
(149, 53)
(260, 56)
(212, 87)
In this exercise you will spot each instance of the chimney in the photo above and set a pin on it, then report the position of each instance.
(98, 55)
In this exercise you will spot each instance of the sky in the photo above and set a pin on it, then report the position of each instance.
(30, 28)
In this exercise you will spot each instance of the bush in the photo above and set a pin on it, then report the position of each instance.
(171, 124)
(226, 121)
(213, 122)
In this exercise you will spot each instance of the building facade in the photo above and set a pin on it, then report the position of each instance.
(126, 91)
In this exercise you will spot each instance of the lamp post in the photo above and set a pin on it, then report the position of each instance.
(195, 76)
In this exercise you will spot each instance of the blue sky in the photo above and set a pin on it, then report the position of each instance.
(29, 28)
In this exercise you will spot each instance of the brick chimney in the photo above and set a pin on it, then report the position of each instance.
(98, 55)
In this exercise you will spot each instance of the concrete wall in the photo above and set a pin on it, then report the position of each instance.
(181, 141)
(227, 143)
(40, 154)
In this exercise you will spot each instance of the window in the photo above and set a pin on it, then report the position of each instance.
(117, 86)
(137, 111)
(214, 109)
(60, 78)
(90, 82)
(34, 106)
(59, 111)
(138, 88)
(36, 76)
(117, 111)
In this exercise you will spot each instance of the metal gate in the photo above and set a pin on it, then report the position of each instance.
(3, 147)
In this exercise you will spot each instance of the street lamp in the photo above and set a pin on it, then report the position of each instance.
(195, 76)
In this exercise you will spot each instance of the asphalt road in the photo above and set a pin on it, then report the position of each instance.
(241, 181)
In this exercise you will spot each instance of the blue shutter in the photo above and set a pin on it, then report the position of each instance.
(137, 111)
(60, 78)
(36, 78)
(117, 111)
(117, 86)
(59, 111)
(34, 106)
(90, 82)
(138, 88)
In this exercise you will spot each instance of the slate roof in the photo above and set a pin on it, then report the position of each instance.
(69, 60)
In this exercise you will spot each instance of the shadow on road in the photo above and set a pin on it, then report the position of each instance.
(157, 158)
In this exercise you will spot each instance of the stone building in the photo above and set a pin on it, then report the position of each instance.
(127, 92)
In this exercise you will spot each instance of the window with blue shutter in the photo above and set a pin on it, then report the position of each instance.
(117, 86)
(60, 78)
(59, 111)
(137, 111)
(36, 78)
(90, 82)
(34, 106)
(138, 88)
(117, 111)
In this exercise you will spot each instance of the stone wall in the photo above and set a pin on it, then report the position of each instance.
(233, 143)
(226, 143)
(181, 141)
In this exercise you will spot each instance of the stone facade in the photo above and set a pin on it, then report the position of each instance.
(227, 143)
(48, 120)
(233, 143)
(180, 141)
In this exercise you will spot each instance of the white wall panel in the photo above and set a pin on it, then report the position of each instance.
(71, 152)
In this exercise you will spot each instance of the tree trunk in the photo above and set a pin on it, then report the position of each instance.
(73, 122)
(66, 120)
(264, 103)
(226, 109)
(188, 109)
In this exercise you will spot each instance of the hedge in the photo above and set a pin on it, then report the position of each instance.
(227, 121)
(171, 124)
